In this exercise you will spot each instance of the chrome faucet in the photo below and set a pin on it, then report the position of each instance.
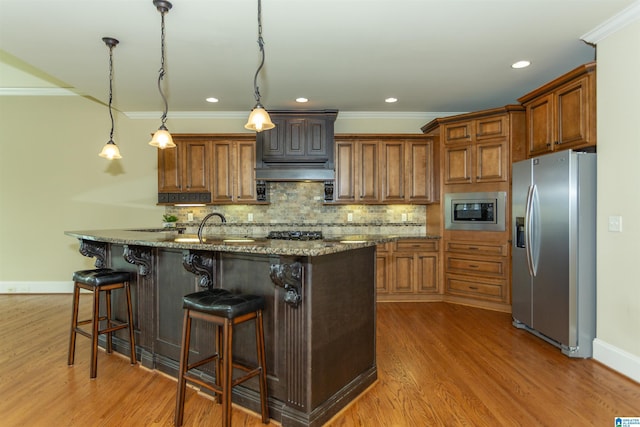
(222, 218)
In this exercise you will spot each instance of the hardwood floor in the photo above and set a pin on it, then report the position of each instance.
(438, 365)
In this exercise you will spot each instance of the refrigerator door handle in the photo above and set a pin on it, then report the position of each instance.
(528, 221)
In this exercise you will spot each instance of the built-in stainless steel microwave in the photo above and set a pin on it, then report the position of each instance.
(475, 211)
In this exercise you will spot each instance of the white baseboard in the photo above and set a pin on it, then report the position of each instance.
(36, 287)
(617, 359)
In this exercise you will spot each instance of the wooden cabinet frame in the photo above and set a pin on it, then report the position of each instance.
(386, 169)
(208, 168)
(562, 113)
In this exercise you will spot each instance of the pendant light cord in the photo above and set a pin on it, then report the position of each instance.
(261, 45)
(111, 90)
(162, 71)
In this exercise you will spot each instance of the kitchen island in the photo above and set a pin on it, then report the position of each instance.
(319, 318)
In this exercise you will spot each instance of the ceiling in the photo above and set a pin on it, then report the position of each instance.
(433, 55)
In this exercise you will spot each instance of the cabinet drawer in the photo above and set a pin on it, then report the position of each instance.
(483, 266)
(458, 132)
(491, 249)
(486, 289)
(417, 245)
(385, 247)
(492, 127)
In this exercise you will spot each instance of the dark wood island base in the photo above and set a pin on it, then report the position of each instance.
(319, 317)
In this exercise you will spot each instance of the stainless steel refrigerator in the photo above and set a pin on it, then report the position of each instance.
(554, 249)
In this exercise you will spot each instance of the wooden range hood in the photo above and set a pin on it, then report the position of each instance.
(299, 148)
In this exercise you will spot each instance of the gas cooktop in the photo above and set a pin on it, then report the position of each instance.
(295, 235)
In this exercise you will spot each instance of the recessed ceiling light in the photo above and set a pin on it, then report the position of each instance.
(212, 99)
(520, 64)
(302, 99)
(391, 100)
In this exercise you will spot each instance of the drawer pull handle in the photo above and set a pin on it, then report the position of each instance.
(475, 288)
(473, 266)
(473, 248)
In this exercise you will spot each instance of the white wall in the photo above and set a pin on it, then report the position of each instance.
(52, 180)
(618, 277)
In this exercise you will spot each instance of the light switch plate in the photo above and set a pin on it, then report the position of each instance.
(615, 223)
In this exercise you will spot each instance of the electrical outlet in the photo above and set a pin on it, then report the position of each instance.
(250, 217)
(404, 217)
(350, 217)
(189, 217)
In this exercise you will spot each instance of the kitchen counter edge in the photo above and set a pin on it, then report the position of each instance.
(260, 245)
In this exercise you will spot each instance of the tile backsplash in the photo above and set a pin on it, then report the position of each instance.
(301, 204)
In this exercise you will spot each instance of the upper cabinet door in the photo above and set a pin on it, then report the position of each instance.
(345, 158)
(169, 170)
(222, 171)
(393, 171)
(540, 125)
(419, 168)
(196, 166)
(245, 171)
(573, 118)
(368, 171)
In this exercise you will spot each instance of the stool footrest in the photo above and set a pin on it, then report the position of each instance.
(202, 362)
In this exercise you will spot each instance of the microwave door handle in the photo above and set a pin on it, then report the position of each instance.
(527, 230)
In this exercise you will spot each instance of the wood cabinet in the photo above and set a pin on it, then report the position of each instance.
(385, 169)
(478, 270)
(208, 168)
(562, 114)
(183, 171)
(408, 270)
(357, 171)
(477, 152)
(233, 173)
(476, 146)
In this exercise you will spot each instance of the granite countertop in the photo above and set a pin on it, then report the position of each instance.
(236, 243)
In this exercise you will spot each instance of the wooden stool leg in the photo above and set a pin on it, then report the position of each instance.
(94, 333)
(263, 368)
(132, 339)
(227, 372)
(74, 324)
(184, 362)
(109, 335)
(219, 367)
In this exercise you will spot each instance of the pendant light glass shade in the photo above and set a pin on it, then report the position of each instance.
(162, 138)
(259, 119)
(110, 150)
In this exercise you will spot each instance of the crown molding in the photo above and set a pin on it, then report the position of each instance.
(36, 91)
(628, 15)
(212, 115)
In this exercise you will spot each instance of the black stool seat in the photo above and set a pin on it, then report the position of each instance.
(225, 310)
(101, 276)
(98, 281)
(220, 302)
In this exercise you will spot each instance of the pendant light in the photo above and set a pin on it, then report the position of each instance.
(259, 119)
(110, 150)
(162, 138)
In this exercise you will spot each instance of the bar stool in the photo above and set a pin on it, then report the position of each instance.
(225, 310)
(96, 281)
